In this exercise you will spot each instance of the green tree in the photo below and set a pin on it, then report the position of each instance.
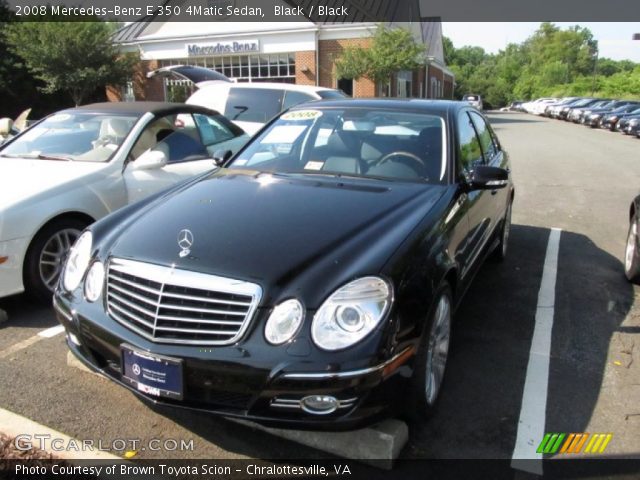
(72, 57)
(392, 50)
(551, 62)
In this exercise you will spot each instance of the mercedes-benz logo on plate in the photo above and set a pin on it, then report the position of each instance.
(136, 369)
(185, 241)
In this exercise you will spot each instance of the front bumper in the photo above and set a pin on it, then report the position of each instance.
(12, 253)
(632, 129)
(592, 121)
(259, 382)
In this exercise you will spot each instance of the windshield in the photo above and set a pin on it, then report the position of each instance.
(82, 136)
(584, 102)
(355, 142)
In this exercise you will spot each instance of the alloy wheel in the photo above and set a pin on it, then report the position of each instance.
(438, 349)
(506, 230)
(54, 253)
(631, 246)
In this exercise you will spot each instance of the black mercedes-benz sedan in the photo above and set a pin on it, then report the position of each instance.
(310, 282)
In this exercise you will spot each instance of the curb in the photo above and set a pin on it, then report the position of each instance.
(15, 425)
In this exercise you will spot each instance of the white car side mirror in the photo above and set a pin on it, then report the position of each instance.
(5, 126)
(150, 160)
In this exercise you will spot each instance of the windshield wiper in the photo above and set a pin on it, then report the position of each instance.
(54, 157)
(39, 156)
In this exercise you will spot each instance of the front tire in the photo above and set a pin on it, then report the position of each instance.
(46, 255)
(631, 254)
(431, 360)
(500, 253)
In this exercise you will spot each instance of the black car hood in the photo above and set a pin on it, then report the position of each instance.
(273, 230)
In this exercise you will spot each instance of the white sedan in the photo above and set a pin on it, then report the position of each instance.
(78, 165)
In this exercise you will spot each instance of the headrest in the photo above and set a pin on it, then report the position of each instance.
(343, 142)
(5, 125)
(116, 127)
(430, 134)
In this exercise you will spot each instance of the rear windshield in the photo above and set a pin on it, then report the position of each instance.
(330, 94)
(253, 104)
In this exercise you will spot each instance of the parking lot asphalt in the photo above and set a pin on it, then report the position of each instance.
(567, 176)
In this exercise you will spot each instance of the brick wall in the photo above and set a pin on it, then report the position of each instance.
(143, 88)
(151, 89)
(434, 72)
(328, 51)
(306, 61)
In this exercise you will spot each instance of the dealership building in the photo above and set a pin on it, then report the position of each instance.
(302, 52)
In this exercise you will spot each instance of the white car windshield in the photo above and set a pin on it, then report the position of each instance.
(356, 142)
(81, 136)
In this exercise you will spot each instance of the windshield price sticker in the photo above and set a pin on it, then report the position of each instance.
(302, 115)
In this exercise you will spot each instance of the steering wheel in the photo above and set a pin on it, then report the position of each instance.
(402, 154)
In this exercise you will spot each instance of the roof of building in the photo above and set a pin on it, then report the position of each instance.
(360, 11)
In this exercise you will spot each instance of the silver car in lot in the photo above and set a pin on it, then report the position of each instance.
(473, 100)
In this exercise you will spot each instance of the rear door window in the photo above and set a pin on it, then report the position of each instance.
(253, 104)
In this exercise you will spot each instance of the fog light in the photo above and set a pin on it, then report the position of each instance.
(319, 404)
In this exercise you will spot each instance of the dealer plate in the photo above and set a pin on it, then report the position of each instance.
(155, 375)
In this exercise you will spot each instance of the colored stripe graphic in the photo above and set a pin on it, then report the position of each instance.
(574, 442)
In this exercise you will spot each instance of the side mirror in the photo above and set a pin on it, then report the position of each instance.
(484, 177)
(221, 156)
(5, 126)
(150, 160)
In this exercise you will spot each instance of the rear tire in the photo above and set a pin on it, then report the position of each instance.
(631, 254)
(46, 255)
(431, 360)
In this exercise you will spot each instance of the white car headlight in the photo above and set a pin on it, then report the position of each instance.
(94, 282)
(284, 322)
(351, 313)
(77, 262)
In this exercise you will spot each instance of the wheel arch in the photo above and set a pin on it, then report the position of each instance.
(75, 215)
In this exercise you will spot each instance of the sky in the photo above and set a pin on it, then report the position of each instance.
(614, 38)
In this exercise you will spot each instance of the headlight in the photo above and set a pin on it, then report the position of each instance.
(77, 262)
(351, 313)
(284, 322)
(94, 282)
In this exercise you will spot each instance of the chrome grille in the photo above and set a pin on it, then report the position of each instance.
(169, 305)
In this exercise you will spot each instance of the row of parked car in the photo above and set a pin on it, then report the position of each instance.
(611, 114)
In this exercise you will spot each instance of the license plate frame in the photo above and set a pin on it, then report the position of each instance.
(155, 375)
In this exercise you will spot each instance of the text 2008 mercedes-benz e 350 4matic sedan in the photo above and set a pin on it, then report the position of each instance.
(308, 283)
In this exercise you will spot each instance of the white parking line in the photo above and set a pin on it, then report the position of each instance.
(48, 333)
(534, 398)
(51, 332)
